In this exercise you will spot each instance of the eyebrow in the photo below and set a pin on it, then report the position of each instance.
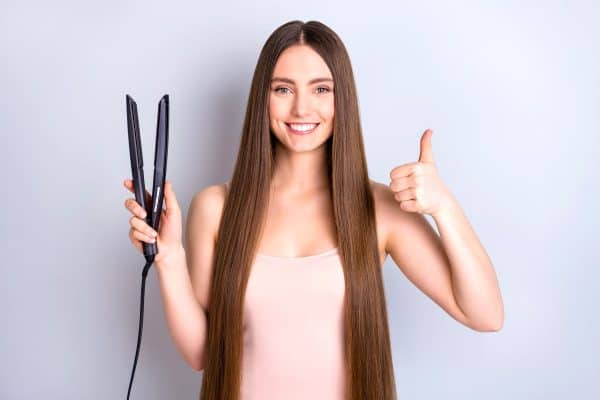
(290, 81)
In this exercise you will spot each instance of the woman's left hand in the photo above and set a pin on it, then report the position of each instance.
(417, 186)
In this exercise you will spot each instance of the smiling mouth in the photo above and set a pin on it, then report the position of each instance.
(301, 129)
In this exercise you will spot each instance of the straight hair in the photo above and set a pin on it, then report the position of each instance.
(368, 362)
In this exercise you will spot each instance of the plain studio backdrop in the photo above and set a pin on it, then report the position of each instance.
(511, 90)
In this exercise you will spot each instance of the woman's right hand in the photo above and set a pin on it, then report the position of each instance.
(168, 237)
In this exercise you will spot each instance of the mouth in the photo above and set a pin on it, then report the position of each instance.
(301, 129)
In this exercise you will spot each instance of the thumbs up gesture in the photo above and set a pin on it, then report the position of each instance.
(417, 186)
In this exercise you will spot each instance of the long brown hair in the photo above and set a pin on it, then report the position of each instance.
(368, 361)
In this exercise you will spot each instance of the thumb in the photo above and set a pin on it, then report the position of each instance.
(426, 154)
(171, 205)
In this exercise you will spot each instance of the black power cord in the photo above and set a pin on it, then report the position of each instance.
(149, 262)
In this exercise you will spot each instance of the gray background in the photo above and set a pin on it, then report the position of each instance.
(510, 89)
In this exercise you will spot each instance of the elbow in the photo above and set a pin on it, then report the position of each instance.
(494, 325)
(495, 321)
(498, 322)
(498, 325)
(490, 328)
(197, 367)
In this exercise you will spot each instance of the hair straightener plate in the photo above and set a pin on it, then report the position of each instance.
(154, 209)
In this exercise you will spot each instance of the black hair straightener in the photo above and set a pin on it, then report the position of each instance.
(153, 210)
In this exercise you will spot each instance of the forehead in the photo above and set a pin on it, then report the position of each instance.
(301, 63)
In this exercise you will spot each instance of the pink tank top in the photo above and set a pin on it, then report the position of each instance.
(293, 328)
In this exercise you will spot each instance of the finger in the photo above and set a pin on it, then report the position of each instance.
(138, 239)
(408, 194)
(135, 208)
(425, 153)
(171, 205)
(405, 170)
(136, 243)
(138, 236)
(399, 184)
(141, 226)
(129, 186)
(143, 238)
(128, 183)
(410, 206)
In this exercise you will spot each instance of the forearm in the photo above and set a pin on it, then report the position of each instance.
(474, 280)
(185, 317)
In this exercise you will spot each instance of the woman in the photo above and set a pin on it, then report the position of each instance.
(284, 298)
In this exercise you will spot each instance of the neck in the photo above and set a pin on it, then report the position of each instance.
(299, 171)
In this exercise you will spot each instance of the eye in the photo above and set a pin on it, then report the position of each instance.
(326, 89)
(279, 89)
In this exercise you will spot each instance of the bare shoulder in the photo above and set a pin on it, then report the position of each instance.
(384, 211)
(207, 206)
(389, 213)
(384, 199)
(202, 222)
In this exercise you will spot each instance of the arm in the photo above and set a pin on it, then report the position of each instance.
(185, 318)
(185, 280)
(474, 280)
(452, 270)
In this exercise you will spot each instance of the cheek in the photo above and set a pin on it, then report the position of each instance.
(328, 112)
(277, 109)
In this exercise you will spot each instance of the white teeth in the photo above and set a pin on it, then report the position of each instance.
(303, 127)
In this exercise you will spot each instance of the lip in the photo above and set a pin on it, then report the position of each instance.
(299, 133)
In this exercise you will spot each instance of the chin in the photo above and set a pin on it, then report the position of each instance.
(304, 147)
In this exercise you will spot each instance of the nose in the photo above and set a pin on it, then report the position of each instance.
(301, 104)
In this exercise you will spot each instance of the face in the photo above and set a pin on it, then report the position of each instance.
(301, 99)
